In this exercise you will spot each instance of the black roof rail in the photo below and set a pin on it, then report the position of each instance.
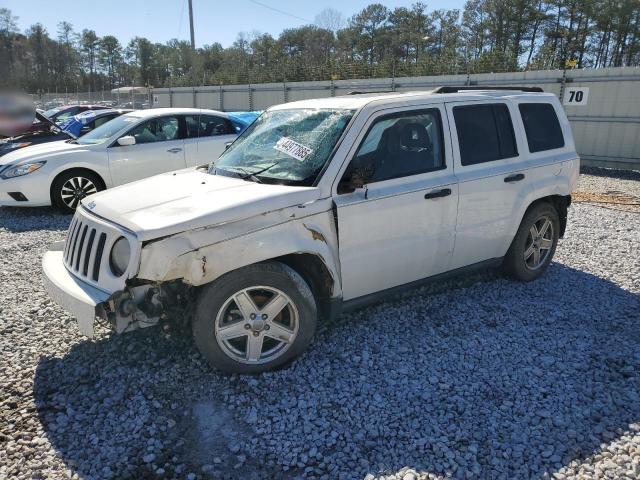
(450, 89)
(358, 92)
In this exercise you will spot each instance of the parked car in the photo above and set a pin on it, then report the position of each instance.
(76, 126)
(323, 205)
(131, 147)
(85, 122)
(62, 114)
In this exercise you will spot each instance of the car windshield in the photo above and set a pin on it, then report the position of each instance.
(106, 130)
(285, 146)
(51, 112)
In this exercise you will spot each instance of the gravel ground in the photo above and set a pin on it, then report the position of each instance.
(480, 377)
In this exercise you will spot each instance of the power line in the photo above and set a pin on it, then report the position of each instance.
(280, 11)
(180, 21)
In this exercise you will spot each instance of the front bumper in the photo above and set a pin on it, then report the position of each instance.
(34, 186)
(77, 297)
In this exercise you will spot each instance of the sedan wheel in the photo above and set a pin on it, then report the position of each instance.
(75, 189)
(70, 187)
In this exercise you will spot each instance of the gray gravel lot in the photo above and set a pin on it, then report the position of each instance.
(479, 377)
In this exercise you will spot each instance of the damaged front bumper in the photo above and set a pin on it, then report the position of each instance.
(82, 300)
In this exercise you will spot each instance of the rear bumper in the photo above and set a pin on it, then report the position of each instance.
(78, 298)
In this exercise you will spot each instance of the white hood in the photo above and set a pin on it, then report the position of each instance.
(42, 151)
(178, 201)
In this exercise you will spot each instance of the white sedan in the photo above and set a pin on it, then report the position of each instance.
(131, 147)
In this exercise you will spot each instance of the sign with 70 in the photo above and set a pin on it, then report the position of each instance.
(576, 96)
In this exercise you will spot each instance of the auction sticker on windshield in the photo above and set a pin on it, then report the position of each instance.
(292, 148)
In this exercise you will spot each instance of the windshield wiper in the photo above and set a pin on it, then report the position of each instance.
(253, 176)
(244, 174)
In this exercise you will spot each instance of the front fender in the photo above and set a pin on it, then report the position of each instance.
(200, 257)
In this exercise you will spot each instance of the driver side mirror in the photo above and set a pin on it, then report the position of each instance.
(127, 140)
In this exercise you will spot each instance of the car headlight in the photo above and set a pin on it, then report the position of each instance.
(22, 169)
(120, 256)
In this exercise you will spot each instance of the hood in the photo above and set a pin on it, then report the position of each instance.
(42, 151)
(35, 138)
(178, 201)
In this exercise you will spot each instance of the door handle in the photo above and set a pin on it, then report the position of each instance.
(174, 150)
(445, 192)
(514, 178)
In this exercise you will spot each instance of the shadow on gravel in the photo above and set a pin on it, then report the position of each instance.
(611, 173)
(36, 218)
(493, 380)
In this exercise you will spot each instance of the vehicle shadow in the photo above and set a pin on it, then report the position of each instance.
(507, 380)
(37, 218)
(611, 173)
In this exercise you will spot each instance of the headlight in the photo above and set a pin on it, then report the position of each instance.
(120, 256)
(22, 169)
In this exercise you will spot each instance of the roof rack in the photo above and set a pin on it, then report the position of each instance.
(358, 92)
(450, 89)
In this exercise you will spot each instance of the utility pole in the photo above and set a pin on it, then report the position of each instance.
(193, 40)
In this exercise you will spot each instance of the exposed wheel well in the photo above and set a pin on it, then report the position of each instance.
(314, 271)
(75, 170)
(561, 204)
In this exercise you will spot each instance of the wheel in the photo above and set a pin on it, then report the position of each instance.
(255, 319)
(535, 243)
(72, 186)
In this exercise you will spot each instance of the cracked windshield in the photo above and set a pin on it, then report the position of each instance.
(285, 146)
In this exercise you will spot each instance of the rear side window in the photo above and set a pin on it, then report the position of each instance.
(208, 126)
(541, 126)
(485, 133)
(211, 126)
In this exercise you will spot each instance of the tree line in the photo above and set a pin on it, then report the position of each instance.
(485, 36)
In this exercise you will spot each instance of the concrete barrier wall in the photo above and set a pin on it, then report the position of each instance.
(606, 122)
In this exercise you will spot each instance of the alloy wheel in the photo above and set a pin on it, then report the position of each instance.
(75, 189)
(256, 325)
(539, 243)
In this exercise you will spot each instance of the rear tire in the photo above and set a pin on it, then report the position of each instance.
(70, 187)
(254, 319)
(535, 243)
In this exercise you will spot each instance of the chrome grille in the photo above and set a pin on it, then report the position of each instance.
(83, 253)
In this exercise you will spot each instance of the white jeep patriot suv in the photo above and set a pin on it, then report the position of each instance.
(323, 205)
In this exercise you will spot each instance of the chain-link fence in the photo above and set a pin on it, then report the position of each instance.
(136, 101)
(247, 71)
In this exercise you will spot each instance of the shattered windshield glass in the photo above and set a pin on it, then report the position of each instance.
(284, 146)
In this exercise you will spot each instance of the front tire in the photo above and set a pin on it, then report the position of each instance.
(69, 188)
(255, 319)
(535, 243)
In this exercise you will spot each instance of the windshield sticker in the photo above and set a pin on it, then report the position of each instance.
(292, 148)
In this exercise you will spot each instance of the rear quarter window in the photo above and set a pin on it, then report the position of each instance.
(485, 133)
(541, 126)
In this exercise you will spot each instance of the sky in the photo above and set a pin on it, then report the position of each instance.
(162, 20)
